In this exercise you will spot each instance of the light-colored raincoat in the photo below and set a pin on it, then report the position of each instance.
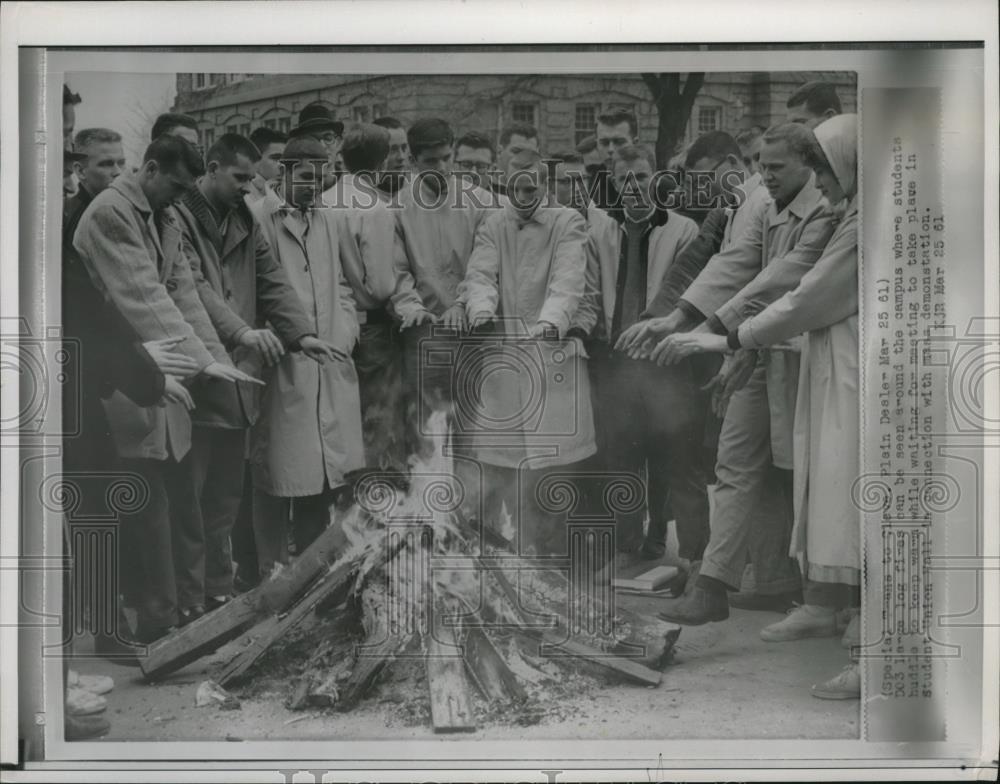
(826, 438)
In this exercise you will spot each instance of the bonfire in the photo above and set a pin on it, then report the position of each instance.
(406, 573)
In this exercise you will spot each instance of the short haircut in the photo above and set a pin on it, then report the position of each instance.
(749, 135)
(799, 139)
(228, 146)
(89, 136)
(173, 152)
(263, 137)
(165, 123)
(365, 147)
(817, 97)
(618, 117)
(477, 141)
(716, 145)
(70, 98)
(631, 153)
(527, 160)
(429, 132)
(389, 123)
(305, 148)
(517, 129)
(589, 144)
(565, 157)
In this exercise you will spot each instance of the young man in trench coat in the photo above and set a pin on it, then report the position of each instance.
(309, 432)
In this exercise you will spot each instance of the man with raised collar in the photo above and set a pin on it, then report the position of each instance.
(778, 246)
(526, 278)
(242, 286)
(308, 437)
(130, 241)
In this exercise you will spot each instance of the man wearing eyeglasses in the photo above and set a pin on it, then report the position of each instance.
(474, 158)
(317, 122)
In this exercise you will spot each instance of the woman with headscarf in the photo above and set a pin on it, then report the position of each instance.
(827, 531)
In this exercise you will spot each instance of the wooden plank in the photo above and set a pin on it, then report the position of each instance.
(451, 708)
(273, 595)
(488, 670)
(266, 633)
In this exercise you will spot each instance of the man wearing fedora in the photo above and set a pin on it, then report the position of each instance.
(316, 122)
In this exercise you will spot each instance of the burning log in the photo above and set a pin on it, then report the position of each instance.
(273, 595)
(451, 708)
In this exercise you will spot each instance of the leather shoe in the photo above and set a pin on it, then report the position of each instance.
(85, 727)
(696, 608)
(776, 602)
(188, 614)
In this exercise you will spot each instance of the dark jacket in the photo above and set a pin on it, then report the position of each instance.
(103, 355)
(688, 266)
(242, 286)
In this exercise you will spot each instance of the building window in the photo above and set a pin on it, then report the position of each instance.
(244, 129)
(217, 78)
(285, 124)
(709, 119)
(271, 123)
(208, 137)
(379, 110)
(200, 81)
(232, 129)
(585, 123)
(523, 113)
(233, 78)
(361, 113)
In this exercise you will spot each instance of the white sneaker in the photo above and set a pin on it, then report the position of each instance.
(95, 684)
(806, 620)
(80, 702)
(845, 686)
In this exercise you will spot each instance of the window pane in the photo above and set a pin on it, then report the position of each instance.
(585, 121)
(708, 119)
(523, 113)
(360, 114)
(209, 137)
(199, 80)
(232, 129)
(285, 124)
(272, 124)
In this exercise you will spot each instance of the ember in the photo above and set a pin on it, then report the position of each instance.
(403, 575)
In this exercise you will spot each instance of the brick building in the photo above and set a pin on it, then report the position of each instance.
(564, 108)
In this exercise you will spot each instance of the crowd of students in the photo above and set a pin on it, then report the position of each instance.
(259, 329)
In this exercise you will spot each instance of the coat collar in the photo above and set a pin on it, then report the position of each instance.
(239, 219)
(803, 203)
(127, 184)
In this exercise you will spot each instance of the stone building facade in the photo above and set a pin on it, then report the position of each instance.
(563, 107)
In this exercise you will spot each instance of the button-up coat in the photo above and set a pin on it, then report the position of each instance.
(776, 248)
(242, 286)
(534, 401)
(438, 235)
(135, 258)
(309, 432)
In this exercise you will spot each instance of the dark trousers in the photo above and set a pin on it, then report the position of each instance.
(650, 424)
(378, 361)
(309, 516)
(205, 512)
(242, 538)
(146, 548)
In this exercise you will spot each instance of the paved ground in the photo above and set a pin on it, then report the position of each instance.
(725, 683)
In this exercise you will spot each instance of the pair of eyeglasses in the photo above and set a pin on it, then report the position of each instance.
(476, 166)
